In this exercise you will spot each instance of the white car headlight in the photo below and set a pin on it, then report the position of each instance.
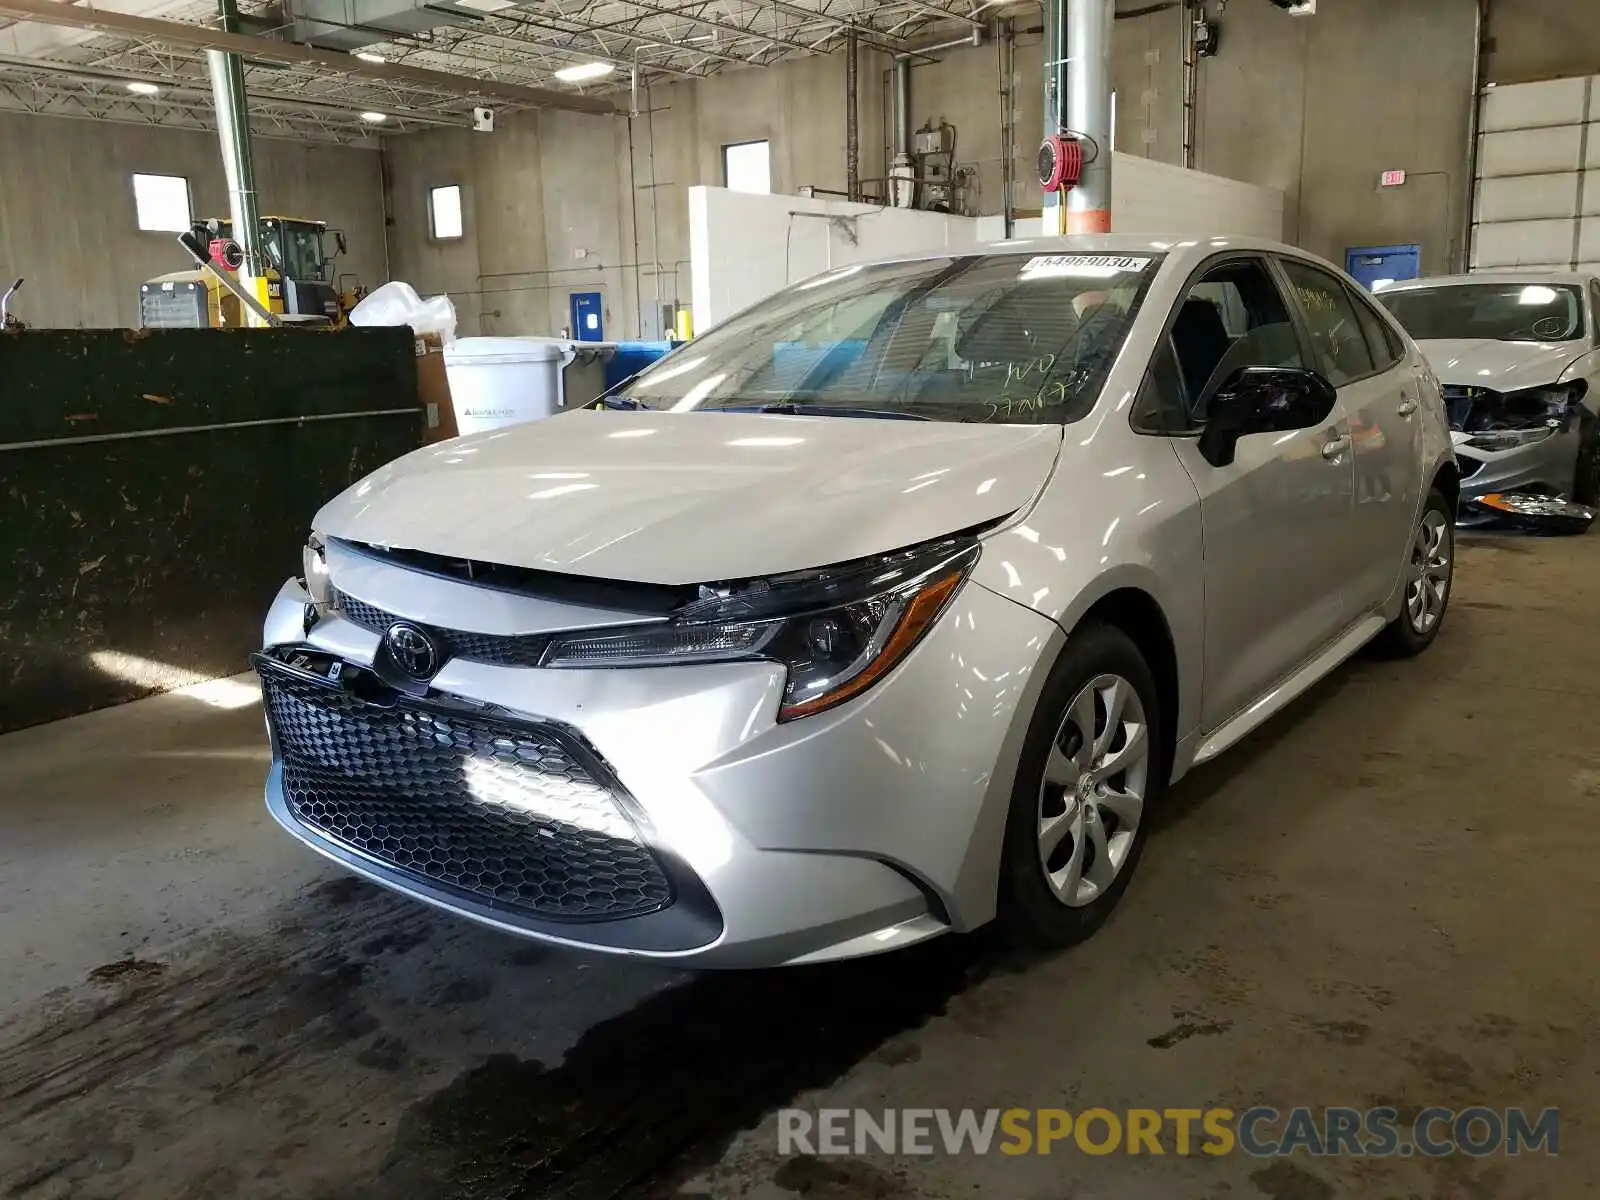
(314, 568)
(837, 630)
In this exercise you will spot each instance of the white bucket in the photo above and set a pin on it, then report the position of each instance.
(496, 381)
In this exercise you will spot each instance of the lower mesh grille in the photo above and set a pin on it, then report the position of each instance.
(502, 813)
(503, 650)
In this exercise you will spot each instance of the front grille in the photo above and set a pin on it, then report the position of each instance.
(173, 306)
(502, 813)
(501, 650)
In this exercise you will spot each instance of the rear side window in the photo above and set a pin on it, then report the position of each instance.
(1382, 340)
(1337, 338)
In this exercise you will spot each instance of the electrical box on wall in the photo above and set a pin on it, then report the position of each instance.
(933, 141)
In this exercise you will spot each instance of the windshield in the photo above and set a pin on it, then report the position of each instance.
(1501, 312)
(1007, 338)
(299, 256)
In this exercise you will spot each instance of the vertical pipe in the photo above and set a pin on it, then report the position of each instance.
(1191, 81)
(852, 115)
(1089, 25)
(1474, 118)
(1055, 59)
(902, 106)
(902, 173)
(1006, 51)
(233, 131)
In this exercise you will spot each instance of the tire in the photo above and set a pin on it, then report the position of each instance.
(1586, 479)
(1102, 663)
(1425, 602)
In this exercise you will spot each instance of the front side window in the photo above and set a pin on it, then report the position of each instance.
(1000, 338)
(1336, 334)
(1233, 318)
(1501, 312)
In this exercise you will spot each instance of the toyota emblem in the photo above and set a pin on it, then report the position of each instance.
(413, 650)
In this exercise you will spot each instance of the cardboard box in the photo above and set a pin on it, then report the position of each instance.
(433, 388)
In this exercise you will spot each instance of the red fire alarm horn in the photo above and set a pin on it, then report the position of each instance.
(1060, 162)
(226, 252)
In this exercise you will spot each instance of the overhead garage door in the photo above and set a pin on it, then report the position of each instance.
(1537, 194)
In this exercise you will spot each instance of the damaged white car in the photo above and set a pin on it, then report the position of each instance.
(1519, 357)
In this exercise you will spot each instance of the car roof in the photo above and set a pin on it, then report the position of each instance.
(1185, 248)
(1579, 278)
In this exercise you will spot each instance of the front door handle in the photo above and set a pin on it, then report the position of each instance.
(1407, 405)
(1332, 450)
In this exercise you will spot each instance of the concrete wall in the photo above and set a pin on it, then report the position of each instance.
(1321, 106)
(1542, 39)
(67, 219)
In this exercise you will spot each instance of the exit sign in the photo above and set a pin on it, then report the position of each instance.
(1392, 179)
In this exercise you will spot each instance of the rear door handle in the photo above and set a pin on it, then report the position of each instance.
(1332, 450)
(1407, 405)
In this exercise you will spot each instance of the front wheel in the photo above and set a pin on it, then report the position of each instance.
(1090, 767)
(1430, 574)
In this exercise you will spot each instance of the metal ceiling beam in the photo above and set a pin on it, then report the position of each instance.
(681, 14)
(197, 88)
(54, 12)
(943, 14)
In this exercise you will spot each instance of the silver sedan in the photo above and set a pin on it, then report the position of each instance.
(885, 609)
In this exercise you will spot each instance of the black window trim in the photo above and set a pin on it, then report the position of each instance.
(1274, 272)
(1309, 346)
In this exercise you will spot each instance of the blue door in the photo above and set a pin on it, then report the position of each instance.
(588, 317)
(1376, 264)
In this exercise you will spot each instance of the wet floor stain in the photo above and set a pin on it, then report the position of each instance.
(1284, 1180)
(1185, 1030)
(649, 1094)
(125, 970)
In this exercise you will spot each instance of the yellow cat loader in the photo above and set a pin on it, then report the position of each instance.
(299, 281)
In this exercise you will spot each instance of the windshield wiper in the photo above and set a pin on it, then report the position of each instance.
(623, 402)
(789, 408)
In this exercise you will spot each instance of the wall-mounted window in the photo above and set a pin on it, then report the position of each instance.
(162, 203)
(747, 167)
(444, 212)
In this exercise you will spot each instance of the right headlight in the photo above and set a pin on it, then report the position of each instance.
(837, 631)
(314, 568)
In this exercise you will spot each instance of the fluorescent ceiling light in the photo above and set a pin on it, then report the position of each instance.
(143, 89)
(374, 118)
(590, 70)
(485, 6)
(365, 57)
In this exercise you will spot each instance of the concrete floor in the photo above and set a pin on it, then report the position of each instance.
(1388, 896)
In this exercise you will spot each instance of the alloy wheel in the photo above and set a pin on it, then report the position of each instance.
(1429, 585)
(1092, 797)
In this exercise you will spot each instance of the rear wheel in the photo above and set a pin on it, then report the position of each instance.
(1430, 575)
(1091, 765)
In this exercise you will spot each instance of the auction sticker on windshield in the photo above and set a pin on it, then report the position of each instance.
(1087, 262)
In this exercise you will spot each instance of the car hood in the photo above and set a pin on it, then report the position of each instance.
(675, 498)
(1501, 366)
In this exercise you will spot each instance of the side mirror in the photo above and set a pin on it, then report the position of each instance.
(1263, 400)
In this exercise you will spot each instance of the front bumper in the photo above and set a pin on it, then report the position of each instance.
(1546, 466)
(858, 830)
